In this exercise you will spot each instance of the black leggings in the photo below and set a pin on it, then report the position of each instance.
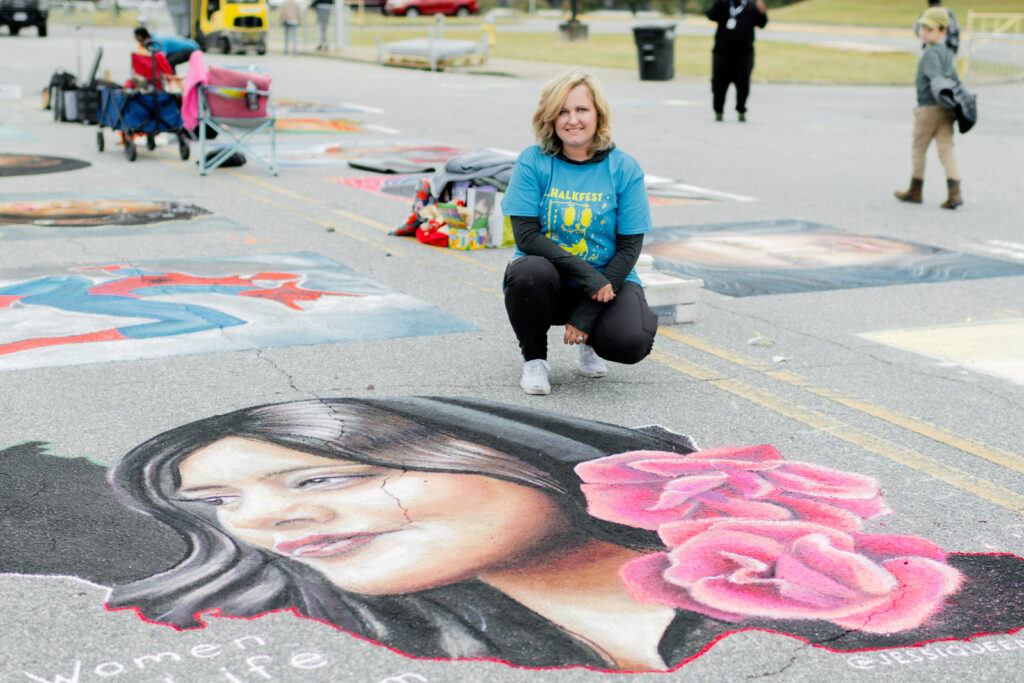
(726, 70)
(536, 297)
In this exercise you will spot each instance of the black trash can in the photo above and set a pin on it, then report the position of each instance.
(656, 51)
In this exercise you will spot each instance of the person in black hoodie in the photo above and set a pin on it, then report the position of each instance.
(732, 59)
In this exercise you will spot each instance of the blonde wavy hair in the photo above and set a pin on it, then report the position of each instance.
(552, 99)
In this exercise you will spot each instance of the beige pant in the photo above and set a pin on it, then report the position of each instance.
(932, 121)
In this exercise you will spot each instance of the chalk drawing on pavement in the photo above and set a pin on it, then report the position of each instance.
(311, 125)
(786, 256)
(102, 213)
(35, 164)
(150, 309)
(293, 507)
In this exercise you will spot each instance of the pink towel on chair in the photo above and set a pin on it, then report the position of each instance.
(198, 74)
(230, 102)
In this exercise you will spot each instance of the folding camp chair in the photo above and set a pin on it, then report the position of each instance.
(237, 106)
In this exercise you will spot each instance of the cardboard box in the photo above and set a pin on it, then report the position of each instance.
(672, 297)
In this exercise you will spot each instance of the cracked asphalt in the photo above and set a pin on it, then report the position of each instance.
(942, 437)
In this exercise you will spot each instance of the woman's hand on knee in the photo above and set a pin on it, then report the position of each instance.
(574, 335)
(603, 295)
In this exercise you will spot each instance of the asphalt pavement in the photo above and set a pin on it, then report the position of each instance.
(827, 375)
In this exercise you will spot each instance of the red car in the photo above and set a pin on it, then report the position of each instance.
(414, 8)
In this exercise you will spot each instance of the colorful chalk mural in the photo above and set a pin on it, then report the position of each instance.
(35, 164)
(786, 256)
(460, 528)
(149, 309)
(310, 125)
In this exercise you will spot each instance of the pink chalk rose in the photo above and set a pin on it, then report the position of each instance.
(649, 488)
(737, 569)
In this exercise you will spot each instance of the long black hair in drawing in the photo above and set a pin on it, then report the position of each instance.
(458, 435)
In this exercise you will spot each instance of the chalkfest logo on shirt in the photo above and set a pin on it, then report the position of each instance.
(572, 196)
(570, 214)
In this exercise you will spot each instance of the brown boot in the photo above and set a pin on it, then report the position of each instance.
(954, 200)
(913, 194)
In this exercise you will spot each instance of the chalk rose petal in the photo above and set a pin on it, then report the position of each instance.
(821, 512)
(923, 584)
(719, 552)
(888, 545)
(800, 570)
(654, 487)
(750, 454)
(635, 505)
(643, 578)
(816, 480)
(680, 491)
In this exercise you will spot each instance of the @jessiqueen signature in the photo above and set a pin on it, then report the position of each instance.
(935, 652)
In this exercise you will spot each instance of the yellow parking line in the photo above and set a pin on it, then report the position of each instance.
(269, 186)
(363, 219)
(934, 432)
(953, 476)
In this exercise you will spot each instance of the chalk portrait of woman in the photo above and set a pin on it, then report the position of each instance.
(777, 257)
(460, 528)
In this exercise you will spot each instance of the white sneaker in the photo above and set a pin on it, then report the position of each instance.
(535, 377)
(591, 364)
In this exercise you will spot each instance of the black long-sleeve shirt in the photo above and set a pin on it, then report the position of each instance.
(739, 40)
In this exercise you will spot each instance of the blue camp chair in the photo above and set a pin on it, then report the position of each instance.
(237, 106)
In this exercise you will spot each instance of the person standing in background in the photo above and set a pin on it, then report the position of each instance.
(323, 19)
(931, 120)
(291, 17)
(952, 31)
(732, 59)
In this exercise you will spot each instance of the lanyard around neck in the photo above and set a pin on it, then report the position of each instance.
(735, 11)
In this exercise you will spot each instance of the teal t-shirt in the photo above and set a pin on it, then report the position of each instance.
(581, 207)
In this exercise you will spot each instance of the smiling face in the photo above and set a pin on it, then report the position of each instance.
(368, 529)
(576, 123)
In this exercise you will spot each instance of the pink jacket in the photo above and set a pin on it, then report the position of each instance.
(198, 74)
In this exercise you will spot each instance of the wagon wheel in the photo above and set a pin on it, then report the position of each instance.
(99, 140)
(183, 148)
(129, 149)
(150, 141)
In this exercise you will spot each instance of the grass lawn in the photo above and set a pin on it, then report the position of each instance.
(895, 13)
(775, 61)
